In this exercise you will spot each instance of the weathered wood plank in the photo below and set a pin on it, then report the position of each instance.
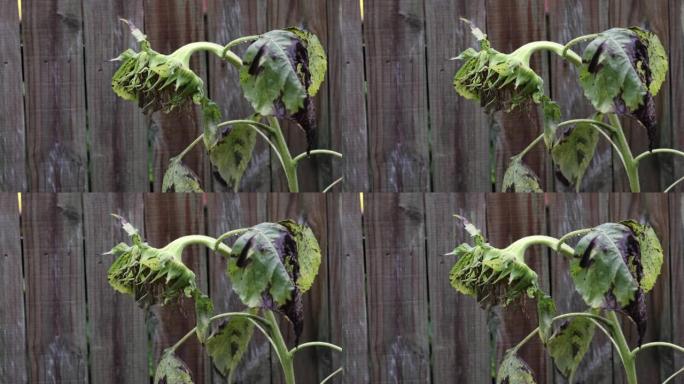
(55, 95)
(397, 95)
(167, 217)
(347, 112)
(568, 212)
(228, 20)
(117, 128)
(676, 75)
(311, 364)
(397, 288)
(454, 317)
(655, 364)
(12, 129)
(12, 315)
(169, 25)
(226, 212)
(459, 127)
(567, 20)
(676, 261)
(348, 317)
(118, 335)
(510, 217)
(511, 24)
(55, 288)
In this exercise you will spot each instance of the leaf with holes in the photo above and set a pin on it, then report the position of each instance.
(232, 154)
(573, 151)
(520, 178)
(568, 346)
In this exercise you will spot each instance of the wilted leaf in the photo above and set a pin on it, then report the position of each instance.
(552, 117)
(651, 252)
(172, 370)
(232, 153)
(179, 178)
(520, 178)
(228, 344)
(568, 346)
(573, 151)
(211, 117)
(514, 370)
(204, 309)
(546, 310)
(308, 253)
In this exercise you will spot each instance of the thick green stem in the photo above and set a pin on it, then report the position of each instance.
(289, 165)
(521, 245)
(631, 166)
(180, 243)
(286, 360)
(528, 49)
(186, 51)
(628, 361)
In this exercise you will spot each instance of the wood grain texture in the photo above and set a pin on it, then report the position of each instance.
(55, 95)
(12, 129)
(511, 24)
(676, 75)
(567, 20)
(118, 336)
(12, 314)
(311, 364)
(460, 336)
(348, 317)
(55, 288)
(459, 128)
(655, 175)
(397, 95)
(227, 212)
(397, 288)
(167, 217)
(655, 364)
(169, 25)
(569, 212)
(511, 216)
(347, 112)
(677, 276)
(228, 20)
(117, 128)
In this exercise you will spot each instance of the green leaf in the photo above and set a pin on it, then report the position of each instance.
(546, 310)
(172, 370)
(651, 252)
(211, 117)
(179, 178)
(228, 344)
(520, 178)
(233, 152)
(657, 58)
(318, 63)
(573, 151)
(568, 346)
(552, 116)
(308, 253)
(204, 309)
(514, 370)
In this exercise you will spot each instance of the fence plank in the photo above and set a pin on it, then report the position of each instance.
(567, 20)
(12, 130)
(12, 316)
(655, 175)
(397, 288)
(453, 316)
(397, 95)
(118, 336)
(676, 75)
(567, 213)
(226, 212)
(311, 364)
(118, 131)
(347, 112)
(55, 100)
(459, 127)
(348, 317)
(510, 217)
(55, 288)
(228, 20)
(169, 25)
(167, 217)
(511, 24)
(655, 364)
(677, 276)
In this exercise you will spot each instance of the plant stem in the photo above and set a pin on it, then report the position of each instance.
(521, 245)
(207, 241)
(226, 235)
(188, 335)
(189, 147)
(658, 344)
(316, 152)
(658, 150)
(329, 187)
(315, 344)
(285, 356)
(578, 40)
(186, 51)
(528, 49)
(626, 355)
(241, 40)
(529, 147)
(330, 376)
(570, 235)
(631, 166)
(289, 165)
(668, 189)
(681, 370)
(559, 317)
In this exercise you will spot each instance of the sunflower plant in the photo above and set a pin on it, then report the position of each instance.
(280, 73)
(620, 72)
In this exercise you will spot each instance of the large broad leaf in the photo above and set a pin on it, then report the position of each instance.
(651, 253)
(282, 71)
(308, 253)
(179, 178)
(568, 346)
(228, 344)
(520, 178)
(232, 153)
(622, 69)
(172, 370)
(513, 370)
(573, 151)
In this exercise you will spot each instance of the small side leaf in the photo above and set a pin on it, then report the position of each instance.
(172, 370)
(228, 344)
(514, 370)
(568, 346)
(546, 310)
(233, 152)
(573, 151)
(552, 117)
(520, 178)
(204, 309)
(211, 116)
(179, 178)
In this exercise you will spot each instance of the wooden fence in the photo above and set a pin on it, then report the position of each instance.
(387, 103)
(382, 292)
